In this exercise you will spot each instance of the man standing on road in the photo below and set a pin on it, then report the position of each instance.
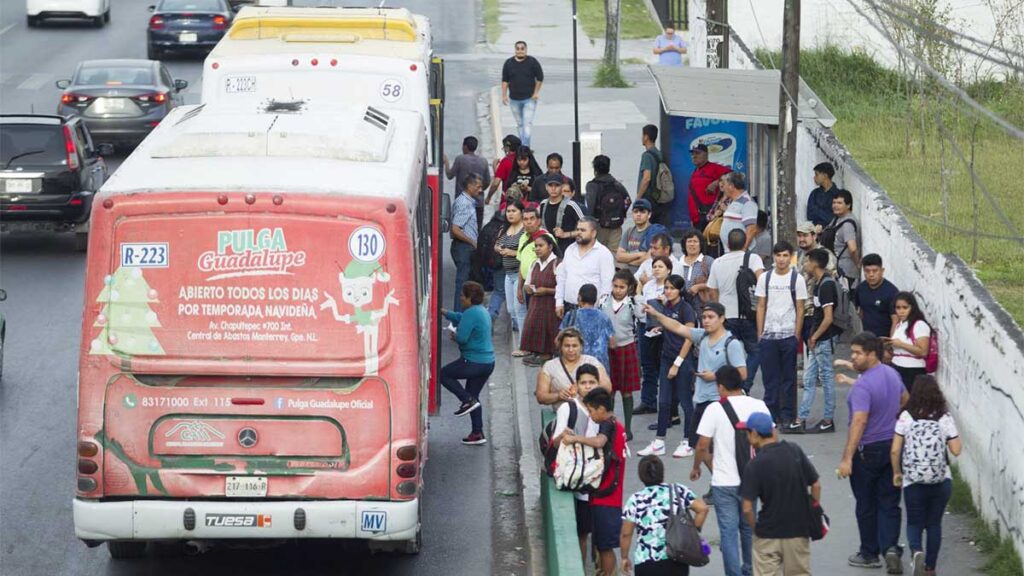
(779, 478)
(538, 190)
(521, 79)
(703, 189)
(819, 203)
(587, 261)
(741, 213)
(847, 236)
(780, 317)
(820, 345)
(634, 247)
(464, 233)
(875, 402)
(718, 426)
(874, 298)
(608, 202)
(649, 162)
(465, 164)
(722, 282)
(670, 48)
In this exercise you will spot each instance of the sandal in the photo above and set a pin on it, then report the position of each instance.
(520, 353)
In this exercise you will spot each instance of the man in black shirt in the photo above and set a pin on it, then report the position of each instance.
(521, 78)
(779, 477)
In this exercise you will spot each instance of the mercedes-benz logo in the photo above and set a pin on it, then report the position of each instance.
(247, 437)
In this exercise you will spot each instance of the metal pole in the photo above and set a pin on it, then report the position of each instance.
(576, 168)
(789, 92)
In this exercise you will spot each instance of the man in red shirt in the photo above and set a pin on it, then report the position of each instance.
(703, 185)
(510, 144)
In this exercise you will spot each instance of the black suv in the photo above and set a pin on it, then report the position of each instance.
(49, 172)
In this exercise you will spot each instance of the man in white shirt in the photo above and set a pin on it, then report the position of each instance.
(742, 211)
(781, 295)
(722, 283)
(587, 261)
(718, 427)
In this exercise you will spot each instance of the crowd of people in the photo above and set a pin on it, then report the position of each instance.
(601, 303)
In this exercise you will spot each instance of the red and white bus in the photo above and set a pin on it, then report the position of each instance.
(259, 330)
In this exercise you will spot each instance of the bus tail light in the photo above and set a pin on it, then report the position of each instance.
(88, 449)
(406, 453)
(86, 466)
(406, 470)
(407, 488)
(86, 484)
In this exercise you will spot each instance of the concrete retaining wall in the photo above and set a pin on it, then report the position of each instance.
(563, 549)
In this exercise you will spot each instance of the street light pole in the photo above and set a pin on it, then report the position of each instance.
(576, 169)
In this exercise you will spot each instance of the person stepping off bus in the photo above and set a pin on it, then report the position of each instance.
(476, 358)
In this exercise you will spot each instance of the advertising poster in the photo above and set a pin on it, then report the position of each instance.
(727, 145)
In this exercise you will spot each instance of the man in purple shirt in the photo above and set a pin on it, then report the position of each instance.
(875, 402)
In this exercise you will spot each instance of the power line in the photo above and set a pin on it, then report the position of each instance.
(998, 120)
(930, 22)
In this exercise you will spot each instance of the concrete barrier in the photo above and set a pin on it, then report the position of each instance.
(563, 548)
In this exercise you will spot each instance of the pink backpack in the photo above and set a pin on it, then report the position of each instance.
(931, 360)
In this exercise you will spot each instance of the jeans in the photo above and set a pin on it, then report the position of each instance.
(778, 372)
(649, 374)
(516, 310)
(497, 301)
(669, 389)
(476, 376)
(462, 255)
(818, 368)
(878, 501)
(729, 513)
(523, 111)
(926, 504)
(746, 330)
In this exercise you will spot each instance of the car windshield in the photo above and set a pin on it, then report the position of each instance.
(22, 144)
(114, 76)
(191, 5)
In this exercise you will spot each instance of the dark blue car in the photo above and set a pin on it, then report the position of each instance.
(193, 26)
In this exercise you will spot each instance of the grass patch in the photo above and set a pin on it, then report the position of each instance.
(633, 60)
(492, 26)
(1001, 556)
(606, 76)
(896, 139)
(634, 19)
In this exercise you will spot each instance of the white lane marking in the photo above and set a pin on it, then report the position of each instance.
(35, 81)
(5, 29)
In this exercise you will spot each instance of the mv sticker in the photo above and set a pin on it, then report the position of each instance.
(357, 280)
(250, 252)
(194, 434)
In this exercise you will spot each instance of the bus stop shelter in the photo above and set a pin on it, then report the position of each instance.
(735, 113)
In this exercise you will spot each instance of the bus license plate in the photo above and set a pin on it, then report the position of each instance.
(17, 185)
(188, 37)
(245, 486)
(238, 84)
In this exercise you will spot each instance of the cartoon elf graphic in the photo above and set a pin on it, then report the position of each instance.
(357, 280)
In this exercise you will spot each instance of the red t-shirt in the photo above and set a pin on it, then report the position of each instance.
(503, 171)
(614, 431)
(699, 181)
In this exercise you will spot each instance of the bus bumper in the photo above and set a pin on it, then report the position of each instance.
(211, 520)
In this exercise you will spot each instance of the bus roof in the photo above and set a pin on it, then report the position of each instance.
(360, 152)
(390, 32)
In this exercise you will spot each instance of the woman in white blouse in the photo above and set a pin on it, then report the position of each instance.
(910, 339)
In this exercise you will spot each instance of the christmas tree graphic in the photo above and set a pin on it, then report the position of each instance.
(126, 322)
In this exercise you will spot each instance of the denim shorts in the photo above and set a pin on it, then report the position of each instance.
(607, 522)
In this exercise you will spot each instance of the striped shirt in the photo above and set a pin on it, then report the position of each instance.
(742, 212)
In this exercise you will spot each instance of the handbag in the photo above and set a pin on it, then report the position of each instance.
(713, 231)
(682, 540)
(818, 521)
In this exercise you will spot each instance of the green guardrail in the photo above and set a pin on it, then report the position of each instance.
(561, 542)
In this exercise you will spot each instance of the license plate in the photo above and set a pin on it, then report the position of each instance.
(188, 37)
(144, 255)
(245, 486)
(17, 185)
(110, 105)
(237, 84)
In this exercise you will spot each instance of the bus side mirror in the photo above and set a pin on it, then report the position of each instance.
(446, 213)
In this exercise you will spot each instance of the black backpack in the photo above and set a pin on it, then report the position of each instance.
(489, 235)
(548, 449)
(828, 235)
(746, 285)
(612, 206)
(744, 451)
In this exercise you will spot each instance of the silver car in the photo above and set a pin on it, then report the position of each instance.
(121, 101)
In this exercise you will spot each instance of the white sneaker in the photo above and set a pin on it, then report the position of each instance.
(683, 450)
(656, 447)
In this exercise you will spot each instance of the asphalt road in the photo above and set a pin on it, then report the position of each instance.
(43, 277)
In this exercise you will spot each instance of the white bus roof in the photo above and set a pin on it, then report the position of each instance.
(359, 152)
(384, 32)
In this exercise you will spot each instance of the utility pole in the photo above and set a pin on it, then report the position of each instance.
(789, 94)
(576, 168)
(718, 25)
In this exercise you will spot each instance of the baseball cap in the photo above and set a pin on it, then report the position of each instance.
(758, 422)
(554, 179)
(806, 228)
(701, 147)
(642, 204)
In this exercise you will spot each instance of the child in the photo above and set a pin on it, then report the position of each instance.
(596, 328)
(606, 509)
(587, 378)
(621, 309)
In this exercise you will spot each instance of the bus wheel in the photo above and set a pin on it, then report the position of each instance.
(126, 550)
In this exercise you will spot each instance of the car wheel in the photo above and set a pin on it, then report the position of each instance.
(81, 241)
(152, 53)
(97, 21)
(126, 550)
(106, 16)
(33, 21)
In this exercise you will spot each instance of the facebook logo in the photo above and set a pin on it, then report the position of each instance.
(279, 403)
(374, 522)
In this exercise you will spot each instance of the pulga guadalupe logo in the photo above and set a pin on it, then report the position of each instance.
(251, 252)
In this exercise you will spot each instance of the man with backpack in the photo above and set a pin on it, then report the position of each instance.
(608, 201)
(733, 281)
(722, 425)
(842, 236)
(655, 179)
(781, 295)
